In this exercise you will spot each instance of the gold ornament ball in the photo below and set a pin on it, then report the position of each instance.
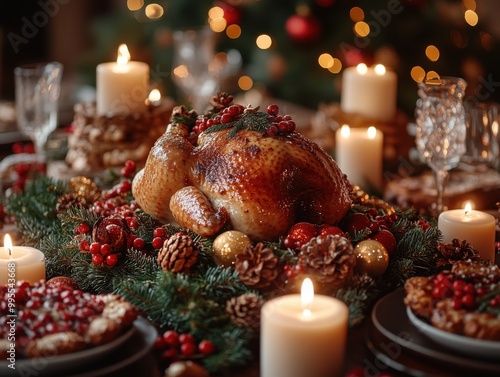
(227, 245)
(372, 258)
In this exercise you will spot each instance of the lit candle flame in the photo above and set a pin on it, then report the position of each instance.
(468, 208)
(380, 69)
(345, 131)
(362, 68)
(123, 55)
(7, 243)
(371, 132)
(307, 296)
(154, 96)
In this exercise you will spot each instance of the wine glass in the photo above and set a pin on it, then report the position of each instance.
(37, 101)
(198, 71)
(441, 129)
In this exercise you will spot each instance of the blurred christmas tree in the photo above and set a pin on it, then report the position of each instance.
(412, 37)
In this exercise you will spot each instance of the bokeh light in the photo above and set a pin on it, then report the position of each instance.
(263, 41)
(245, 83)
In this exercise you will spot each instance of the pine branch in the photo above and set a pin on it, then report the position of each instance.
(249, 120)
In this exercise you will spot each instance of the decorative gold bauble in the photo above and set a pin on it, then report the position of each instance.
(227, 245)
(84, 187)
(372, 258)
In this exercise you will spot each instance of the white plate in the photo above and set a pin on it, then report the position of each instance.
(485, 349)
(57, 364)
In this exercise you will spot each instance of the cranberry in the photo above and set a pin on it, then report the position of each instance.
(273, 109)
(226, 118)
(84, 245)
(188, 349)
(160, 232)
(171, 338)
(139, 243)
(206, 347)
(159, 343)
(186, 338)
(106, 249)
(97, 259)
(469, 301)
(132, 222)
(169, 354)
(95, 248)
(157, 242)
(83, 228)
(112, 260)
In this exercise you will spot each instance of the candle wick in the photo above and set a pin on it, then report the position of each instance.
(10, 251)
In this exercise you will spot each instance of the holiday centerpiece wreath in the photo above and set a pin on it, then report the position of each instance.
(209, 286)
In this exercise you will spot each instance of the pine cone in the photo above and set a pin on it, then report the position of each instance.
(455, 251)
(221, 101)
(330, 259)
(244, 310)
(178, 254)
(67, 201)
(257, 266)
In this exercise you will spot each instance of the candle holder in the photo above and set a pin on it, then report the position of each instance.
(105, 141)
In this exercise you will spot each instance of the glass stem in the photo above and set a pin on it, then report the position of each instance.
(441, 177)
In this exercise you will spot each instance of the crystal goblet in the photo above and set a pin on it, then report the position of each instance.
(37, 101)
(441, 129)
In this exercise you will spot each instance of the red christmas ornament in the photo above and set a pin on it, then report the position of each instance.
(232, 14)
(303, 29)
(387, 239)
(325, 230)
(325, 3)
(356, 222)
(299, 234)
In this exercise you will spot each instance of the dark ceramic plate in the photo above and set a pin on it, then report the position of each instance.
(404, 347)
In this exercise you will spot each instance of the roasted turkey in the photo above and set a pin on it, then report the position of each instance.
(247, 180)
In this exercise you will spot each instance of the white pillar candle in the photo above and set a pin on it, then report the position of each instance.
(122, 86)
(370, 92)
(303, 335)
(359, 154)
(476, 227)
(20, 263)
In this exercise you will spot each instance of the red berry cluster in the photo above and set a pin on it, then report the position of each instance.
(160, 234)
(128, 170)
(46, 309)
(279, 123)
(102, 254)
(173, 346)
(466, 293)
(227, 115)
(378, 226)
(23, 170)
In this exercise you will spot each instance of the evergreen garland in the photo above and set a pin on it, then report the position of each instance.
(195, 303)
